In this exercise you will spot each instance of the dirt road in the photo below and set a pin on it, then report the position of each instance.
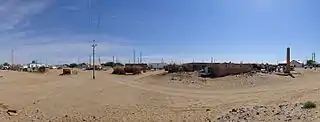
(146, 97)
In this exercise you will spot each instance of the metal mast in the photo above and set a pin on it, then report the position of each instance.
(134, 56)
(140, 57)
(12, 58)
(93, 61)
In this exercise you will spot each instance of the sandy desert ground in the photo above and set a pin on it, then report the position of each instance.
(154, 96)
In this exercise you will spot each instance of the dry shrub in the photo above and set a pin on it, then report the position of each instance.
(15, 68)
(74, 72)
(309, 105)
(174, 68)
(24, 69)
(133, 69)
(66, 72)
(166, 68)
(119, 70)
(42, 69)
(137, 70)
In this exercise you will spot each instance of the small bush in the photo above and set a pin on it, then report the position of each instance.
(133, 69)
(309, 105)
(118, 70)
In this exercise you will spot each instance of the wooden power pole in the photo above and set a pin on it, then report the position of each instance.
(93, 61)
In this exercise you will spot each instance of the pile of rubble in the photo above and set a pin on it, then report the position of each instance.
(187, 78)
(282, 112)
(248, 75)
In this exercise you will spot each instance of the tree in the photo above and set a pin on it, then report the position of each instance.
(310, 62)
(33, 61)
(6, 64)
(73, 65)
(82, 65)
(110, 64)
(119, 64)
(66, 65)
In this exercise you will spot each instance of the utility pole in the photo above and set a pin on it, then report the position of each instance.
(314, 60)
(93, 53)
(134, 56)
(99, 60)
(90, 60)
(113, 59)
(140, 57)
(314, 56)
(12, 57)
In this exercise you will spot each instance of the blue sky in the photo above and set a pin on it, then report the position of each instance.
(60, 31)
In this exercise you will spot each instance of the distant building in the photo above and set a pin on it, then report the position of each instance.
(196, 66)
(297, 64)
(282, 63)
(35, 65)
(157, 65)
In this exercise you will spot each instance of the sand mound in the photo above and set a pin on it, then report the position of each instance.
(192, 80)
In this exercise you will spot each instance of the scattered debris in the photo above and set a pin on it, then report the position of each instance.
(12, 112)
(208, 119)
(3, 106)
(283, 112)
(187, 78)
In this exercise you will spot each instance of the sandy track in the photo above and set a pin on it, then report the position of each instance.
(42, 97)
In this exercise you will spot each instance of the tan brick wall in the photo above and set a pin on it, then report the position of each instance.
(219, 70)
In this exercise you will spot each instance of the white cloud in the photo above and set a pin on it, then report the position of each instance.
(54, 45)
(14, 12)
(64, 48)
